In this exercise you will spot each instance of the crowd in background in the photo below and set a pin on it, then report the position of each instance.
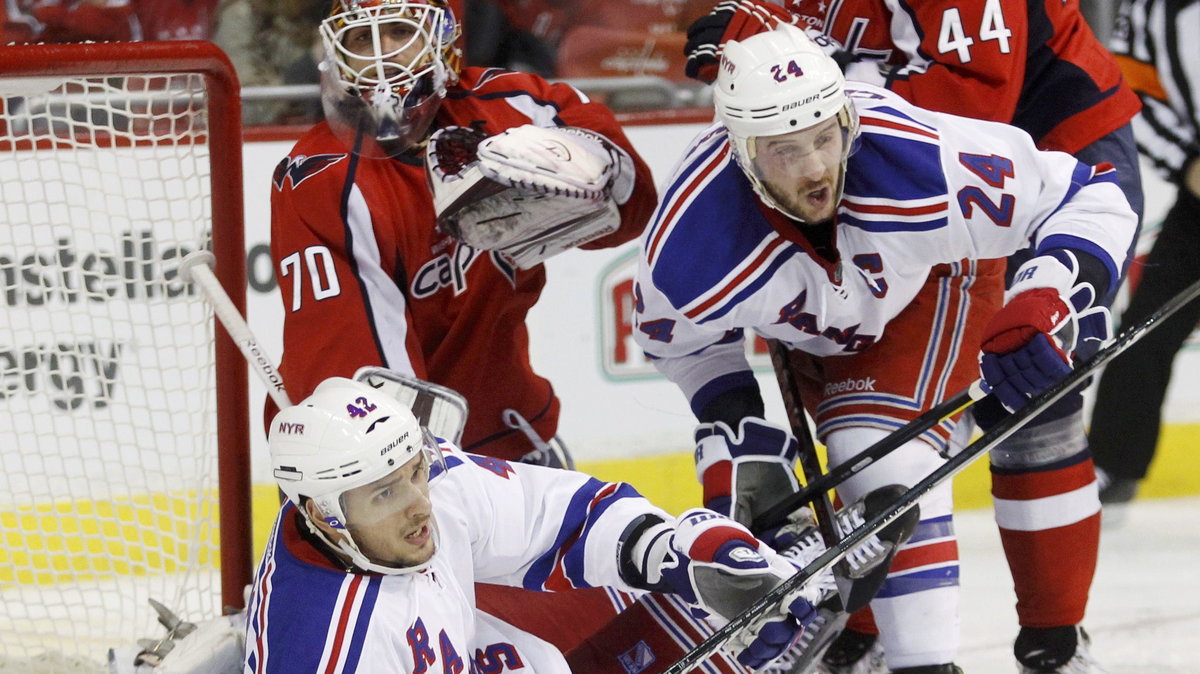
(272, 42)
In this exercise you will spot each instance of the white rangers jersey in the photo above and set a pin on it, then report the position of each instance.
(922, 188)
(510, 524)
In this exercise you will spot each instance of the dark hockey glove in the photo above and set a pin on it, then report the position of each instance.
(1047, 322)
(717, 567)
(744, 473)
(729, 20)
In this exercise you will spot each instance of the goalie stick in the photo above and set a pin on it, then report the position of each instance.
(197, 267)
(777, 514)
(953, 466)
(442, 410)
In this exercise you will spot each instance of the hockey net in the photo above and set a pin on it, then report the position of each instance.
(123, 409)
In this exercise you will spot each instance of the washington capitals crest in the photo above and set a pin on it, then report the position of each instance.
(302, 167)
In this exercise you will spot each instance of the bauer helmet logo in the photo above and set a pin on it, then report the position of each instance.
(796, 104)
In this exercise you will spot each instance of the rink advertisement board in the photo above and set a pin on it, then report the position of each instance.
(615, 405)
(98, 327)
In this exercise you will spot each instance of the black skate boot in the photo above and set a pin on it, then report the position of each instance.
(854, 652)
(1053, 650)
(868, 564)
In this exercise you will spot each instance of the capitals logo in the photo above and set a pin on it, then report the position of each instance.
(302, 167)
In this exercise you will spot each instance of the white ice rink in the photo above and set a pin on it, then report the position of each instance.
(1144, 615)
(1144, 612)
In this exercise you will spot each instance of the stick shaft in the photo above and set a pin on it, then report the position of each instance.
(990, 439)
(810, 463)
(778, 513)
(197, 267)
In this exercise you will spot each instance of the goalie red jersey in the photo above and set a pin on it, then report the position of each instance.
(367, 279)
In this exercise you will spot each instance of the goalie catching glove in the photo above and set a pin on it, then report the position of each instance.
(1048, 321)
(530, 192)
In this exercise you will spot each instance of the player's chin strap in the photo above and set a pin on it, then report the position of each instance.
(553, 454)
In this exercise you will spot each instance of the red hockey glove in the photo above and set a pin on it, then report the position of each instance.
(1047, 321)
(729, 20)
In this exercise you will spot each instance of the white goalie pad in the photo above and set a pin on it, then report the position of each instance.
(529, 192)
(442, 410)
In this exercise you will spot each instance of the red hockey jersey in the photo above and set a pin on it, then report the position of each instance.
(366, 279)
(1036, 65)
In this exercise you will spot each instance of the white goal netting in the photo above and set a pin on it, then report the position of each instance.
(108, 446)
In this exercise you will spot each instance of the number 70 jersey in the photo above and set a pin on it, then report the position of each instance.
(921, 189)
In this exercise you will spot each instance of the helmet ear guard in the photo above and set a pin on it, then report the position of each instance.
(775, 83)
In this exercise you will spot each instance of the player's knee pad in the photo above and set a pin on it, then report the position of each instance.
(1041, 443)
(906, 465)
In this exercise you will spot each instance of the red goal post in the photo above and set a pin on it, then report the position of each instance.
(123, 404)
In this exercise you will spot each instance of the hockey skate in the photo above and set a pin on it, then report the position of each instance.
(854, 652)
(866, 567)
(1054, 650)
(852, 583)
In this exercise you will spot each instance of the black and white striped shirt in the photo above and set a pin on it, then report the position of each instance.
(1157, 43)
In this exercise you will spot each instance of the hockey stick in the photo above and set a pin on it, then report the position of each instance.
(810, 465)
(197, 267)
(777, 514)
(994, 436)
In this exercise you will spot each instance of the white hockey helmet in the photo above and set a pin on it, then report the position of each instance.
(387, 65)
(775, 83)
(345, 435)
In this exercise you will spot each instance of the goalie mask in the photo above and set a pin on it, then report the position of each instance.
(364, 461)
(386, 69)
(791, 125)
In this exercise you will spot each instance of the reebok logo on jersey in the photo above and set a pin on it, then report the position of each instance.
(302, 167)
(849, 385)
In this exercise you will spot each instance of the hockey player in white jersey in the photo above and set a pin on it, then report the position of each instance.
(861, 230)
(374, 557)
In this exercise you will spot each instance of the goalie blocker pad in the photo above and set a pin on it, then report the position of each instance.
(528, 193)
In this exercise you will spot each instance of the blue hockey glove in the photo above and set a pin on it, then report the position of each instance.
(1047, 322)
(716, 566)
(745, 473)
